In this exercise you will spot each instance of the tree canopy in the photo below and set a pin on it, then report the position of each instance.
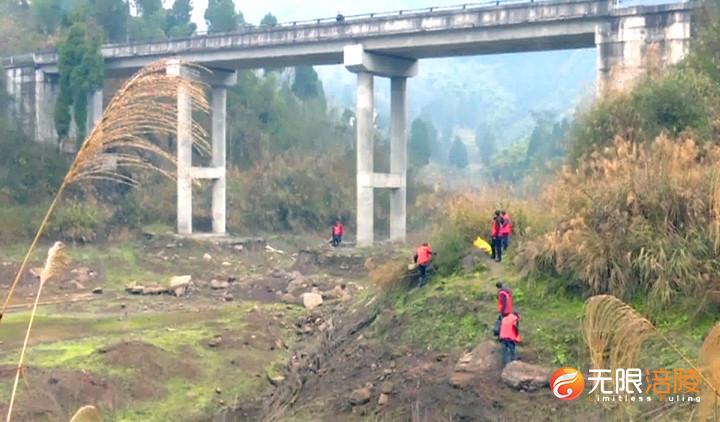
(422, 136)
(458, 154)
(221, 16)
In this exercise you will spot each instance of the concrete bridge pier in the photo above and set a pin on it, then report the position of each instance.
(217, 80)
(94, 109)
(368, 65)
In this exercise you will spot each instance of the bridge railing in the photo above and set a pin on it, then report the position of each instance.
(249, 29)
(44, 55)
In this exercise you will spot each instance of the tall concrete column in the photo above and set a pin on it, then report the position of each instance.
(364, 124)
(398, 156)
(219, 107)
(46, 89)
(95, 109)
(184, 161)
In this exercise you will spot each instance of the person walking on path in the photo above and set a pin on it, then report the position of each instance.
(423, 255)
(509, 337)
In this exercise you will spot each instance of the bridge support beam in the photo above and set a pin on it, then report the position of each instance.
(367, 65)
(218, 81)
(94, 109)
(398, 156)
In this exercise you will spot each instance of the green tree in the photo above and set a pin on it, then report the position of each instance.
(47, 15)
(177, 20)
(221, 16)
(458, 154)
(485, 142)
(148, 7)
(113, 17)
(268, 21)
(81, 72)
(306, 84)
(422, 136)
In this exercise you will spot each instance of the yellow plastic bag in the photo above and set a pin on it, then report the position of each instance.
(481, 244)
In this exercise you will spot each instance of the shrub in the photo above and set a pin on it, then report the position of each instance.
(681, 102)
(78, 222)
(635, 220)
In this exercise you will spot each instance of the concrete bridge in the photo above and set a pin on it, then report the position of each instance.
(628, 41)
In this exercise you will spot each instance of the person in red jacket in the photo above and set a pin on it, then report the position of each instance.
(509, 336)
(504, 300)
(506, 229)
(337, 233)
(423, 255)
(496, 237)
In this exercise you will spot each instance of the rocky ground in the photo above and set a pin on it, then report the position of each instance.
(166, 329)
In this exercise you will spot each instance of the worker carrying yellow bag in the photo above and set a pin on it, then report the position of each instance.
(481, 244)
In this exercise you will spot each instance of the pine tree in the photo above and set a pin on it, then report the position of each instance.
(177, 21)
(485, 142)
(221, 16)
(421, 139)
(306, 84)
(458, 154)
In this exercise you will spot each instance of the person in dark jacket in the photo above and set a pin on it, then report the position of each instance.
(496, 237)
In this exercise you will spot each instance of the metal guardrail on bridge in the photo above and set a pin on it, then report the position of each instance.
(29, 58)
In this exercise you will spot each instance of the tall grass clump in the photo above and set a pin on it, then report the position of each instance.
(635, 220)
(122, 142)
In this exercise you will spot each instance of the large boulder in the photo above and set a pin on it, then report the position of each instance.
(219, 284)
(484, 359)
(311, 300)
(524, 376)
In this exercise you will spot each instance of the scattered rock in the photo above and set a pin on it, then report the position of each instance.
(485, 357)
(228, 297)
(219, 284)
(238, 247)
(288, 298)
(154, 290)
(207, 257)
(226, 264)
(180, 291)
(179, 280)
(135, 288)
(524, 376)
(360, 396)
(97, 290)
(274, 379)
(215, 341)
(336, 292)
(35, 272)
(218, 390)
(387, 387)
(383, 399)
(311, 300)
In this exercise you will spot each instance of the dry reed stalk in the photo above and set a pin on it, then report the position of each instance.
(146, 104)
(710, 356)
(612, 327)
(54, 265)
